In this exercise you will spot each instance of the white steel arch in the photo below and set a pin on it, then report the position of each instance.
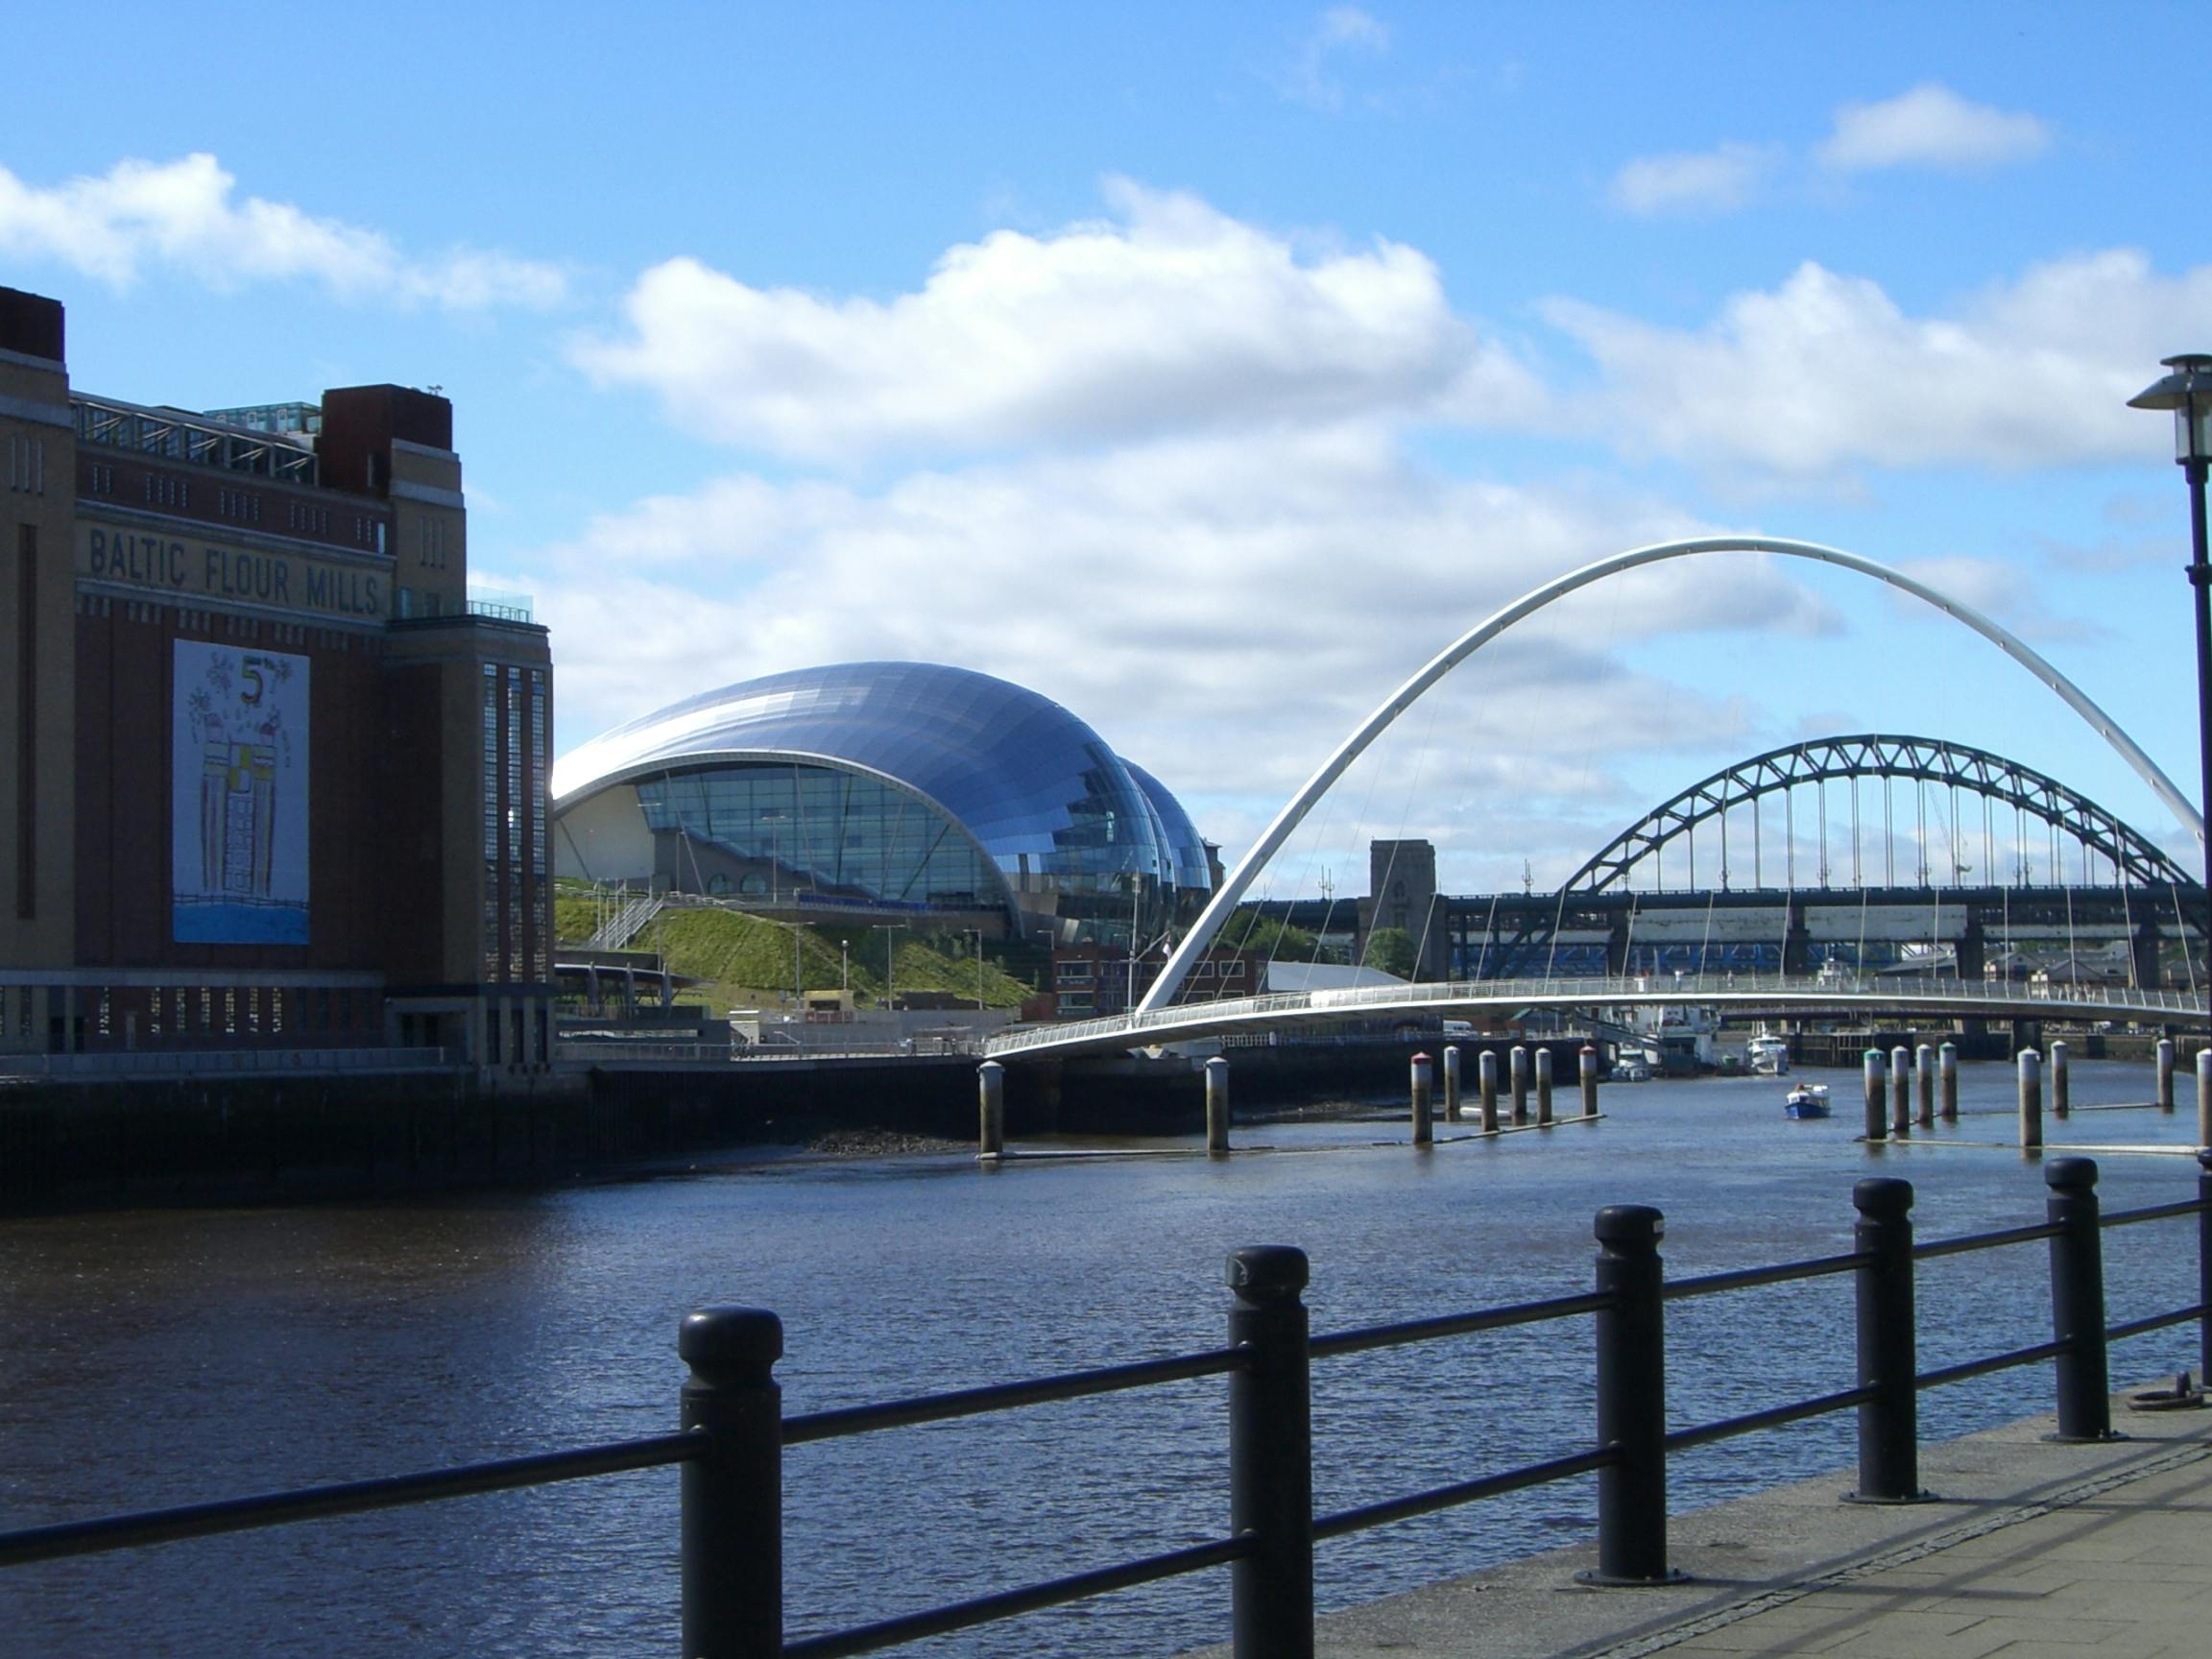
(1210, 920)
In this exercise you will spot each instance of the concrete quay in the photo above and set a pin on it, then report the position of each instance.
(2029, 1550)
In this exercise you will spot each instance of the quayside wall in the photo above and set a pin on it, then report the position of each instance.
(85, 1145)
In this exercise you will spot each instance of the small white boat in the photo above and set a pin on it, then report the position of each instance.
(1631, 1069)
(1807, 1100)
(1767, 1056)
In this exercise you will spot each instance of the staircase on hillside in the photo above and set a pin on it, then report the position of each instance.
(628, 922)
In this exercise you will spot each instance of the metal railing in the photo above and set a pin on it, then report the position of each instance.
(734, 1431)
(1949, 997)
(224, 1062)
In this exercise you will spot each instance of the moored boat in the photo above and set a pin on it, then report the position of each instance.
(1768, 1055)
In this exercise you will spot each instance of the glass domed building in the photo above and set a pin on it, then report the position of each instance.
(882, 786)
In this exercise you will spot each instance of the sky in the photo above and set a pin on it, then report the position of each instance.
(1208, 368)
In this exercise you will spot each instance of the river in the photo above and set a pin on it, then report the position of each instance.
(164, 1357)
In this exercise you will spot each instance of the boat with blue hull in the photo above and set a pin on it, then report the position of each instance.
(1807, 1100)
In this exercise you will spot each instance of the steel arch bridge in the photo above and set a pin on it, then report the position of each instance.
(2136, 860)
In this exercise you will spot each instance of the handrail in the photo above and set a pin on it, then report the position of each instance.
(732, 1425)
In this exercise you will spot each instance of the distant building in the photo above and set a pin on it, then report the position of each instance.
(1402, 893)
(1093, 982)
(268, 780)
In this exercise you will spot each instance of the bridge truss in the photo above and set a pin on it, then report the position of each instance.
(2113, 855)
(2131, 856)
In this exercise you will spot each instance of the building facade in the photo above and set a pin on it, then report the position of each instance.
(267, 778)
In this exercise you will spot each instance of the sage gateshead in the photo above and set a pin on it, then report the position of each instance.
(884, 786)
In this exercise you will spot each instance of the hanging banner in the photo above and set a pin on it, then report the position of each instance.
(238, 796)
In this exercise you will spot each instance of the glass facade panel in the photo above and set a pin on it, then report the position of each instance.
(905, 782)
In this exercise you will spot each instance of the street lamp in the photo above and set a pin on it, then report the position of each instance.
(774, 818)
(889, 929)
(845, 965)
(2187, 391)
(978, 934)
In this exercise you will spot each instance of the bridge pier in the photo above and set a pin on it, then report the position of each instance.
(1216, 1106)
(991, 1092)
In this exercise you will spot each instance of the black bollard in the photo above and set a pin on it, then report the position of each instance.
(1889, 1423)
(1631, 1399)
(2205, 1270)
(732, 1496)
(1271, 1455)
(2078, 1300)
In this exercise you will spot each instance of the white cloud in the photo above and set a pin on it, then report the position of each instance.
(1931, 125)
(1275, 587)
(1339, 30)
(182, 216)
(1826, 372)
(1710, 181)
(1171, 316)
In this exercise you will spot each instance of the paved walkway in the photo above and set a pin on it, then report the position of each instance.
(2031, 1551)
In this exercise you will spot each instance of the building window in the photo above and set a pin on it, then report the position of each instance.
(27, 465)
(1233, 970)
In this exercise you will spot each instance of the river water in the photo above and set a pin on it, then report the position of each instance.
(166, 1357)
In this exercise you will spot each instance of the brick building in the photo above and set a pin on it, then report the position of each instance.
(268, 779)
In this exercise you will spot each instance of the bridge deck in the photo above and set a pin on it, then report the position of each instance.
(1740, 994)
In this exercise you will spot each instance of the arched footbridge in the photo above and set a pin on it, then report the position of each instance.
(1736, 996)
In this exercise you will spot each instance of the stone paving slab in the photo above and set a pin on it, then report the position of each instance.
(2029, 1548)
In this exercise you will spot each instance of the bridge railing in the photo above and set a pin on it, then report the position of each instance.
(1720, 989)
(734, 1432)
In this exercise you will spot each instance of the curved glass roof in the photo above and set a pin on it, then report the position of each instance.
(1185, 845)
(1034, 785)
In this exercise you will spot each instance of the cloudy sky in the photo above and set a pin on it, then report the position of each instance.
(1210, 368)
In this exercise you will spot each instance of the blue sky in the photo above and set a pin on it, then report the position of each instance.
(1208, 368)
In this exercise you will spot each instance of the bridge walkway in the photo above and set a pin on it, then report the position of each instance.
(2029, 1550)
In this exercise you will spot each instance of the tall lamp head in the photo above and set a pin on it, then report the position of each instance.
(2188, 391)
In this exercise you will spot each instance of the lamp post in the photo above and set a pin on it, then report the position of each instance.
(2187, 391)
(889, 930)
(845, 965)
(774, 818)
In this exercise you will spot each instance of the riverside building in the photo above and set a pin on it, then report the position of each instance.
(268, 779)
